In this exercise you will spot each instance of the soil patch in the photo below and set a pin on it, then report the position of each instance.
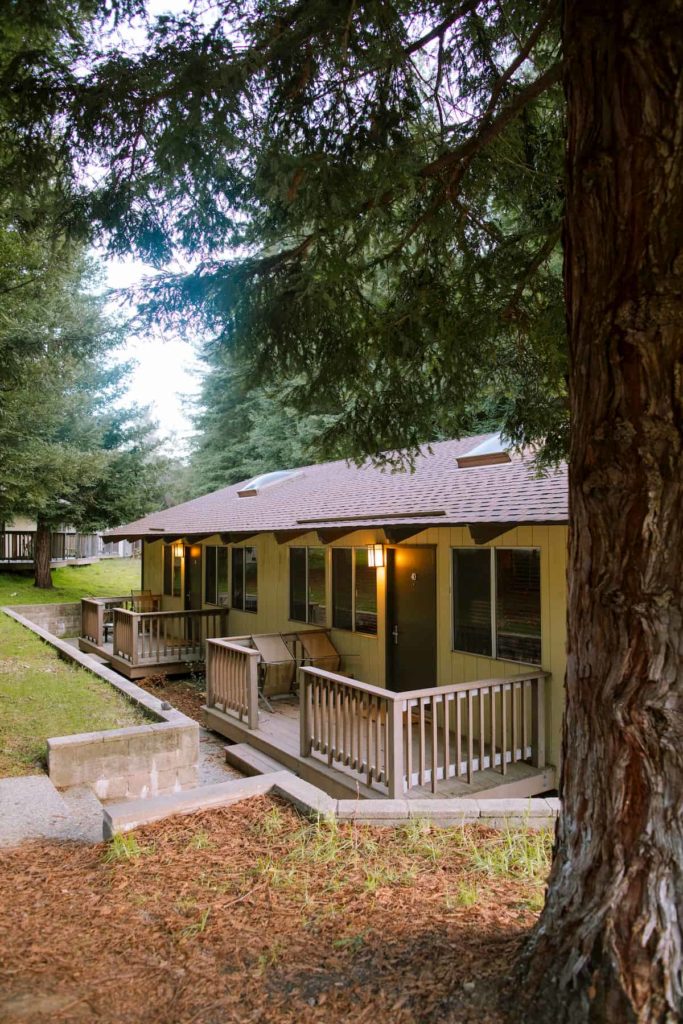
(185, 694)
(251, 914)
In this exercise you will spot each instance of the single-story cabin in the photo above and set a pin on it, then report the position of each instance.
(412, 624)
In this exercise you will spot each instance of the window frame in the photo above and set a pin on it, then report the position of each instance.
(307, 593)
(176, 563)
(211, 552)
(493, 577)
(363, 632)
(242, 607)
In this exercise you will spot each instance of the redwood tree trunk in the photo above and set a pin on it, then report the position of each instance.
(41, 556)
(608, 946)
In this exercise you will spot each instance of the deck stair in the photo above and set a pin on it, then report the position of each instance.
(250, 761)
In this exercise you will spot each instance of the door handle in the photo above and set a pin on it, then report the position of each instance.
(394, 634)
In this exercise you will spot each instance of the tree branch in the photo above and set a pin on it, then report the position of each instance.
(488, 131)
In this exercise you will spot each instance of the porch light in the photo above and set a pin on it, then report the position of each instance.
(195, 551)
(375, 556)
(178, 550)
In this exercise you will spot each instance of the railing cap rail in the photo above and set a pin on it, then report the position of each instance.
(161, 615)
(475, 684)
(352, 684)
(232, 646)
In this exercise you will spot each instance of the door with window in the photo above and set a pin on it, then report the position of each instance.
(411, 618)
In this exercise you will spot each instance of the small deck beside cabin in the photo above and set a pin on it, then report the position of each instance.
(142, 643)
(483, 739)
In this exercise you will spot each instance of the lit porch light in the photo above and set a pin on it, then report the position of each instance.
(178, 549)
(375, 556)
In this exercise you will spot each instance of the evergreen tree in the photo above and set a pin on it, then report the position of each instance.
(68, 451)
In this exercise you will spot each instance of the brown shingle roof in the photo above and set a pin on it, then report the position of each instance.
(336, 494)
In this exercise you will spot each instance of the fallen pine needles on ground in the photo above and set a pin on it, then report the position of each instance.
(250, 913)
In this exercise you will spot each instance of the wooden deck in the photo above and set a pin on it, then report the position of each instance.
(277, 736)
(170, 664)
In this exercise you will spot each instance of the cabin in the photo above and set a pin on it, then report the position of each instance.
(67, 546)
(380, 633)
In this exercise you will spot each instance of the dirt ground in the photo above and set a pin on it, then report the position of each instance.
(250, 913)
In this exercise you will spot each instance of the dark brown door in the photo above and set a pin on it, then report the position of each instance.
(411, 618)
(193, 578)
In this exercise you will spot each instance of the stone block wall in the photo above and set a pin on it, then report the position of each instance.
(57, 619)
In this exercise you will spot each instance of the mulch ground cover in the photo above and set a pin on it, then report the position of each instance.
(185, 694)
(250, 913)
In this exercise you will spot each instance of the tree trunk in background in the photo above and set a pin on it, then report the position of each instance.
(608, 945)
(41, 556)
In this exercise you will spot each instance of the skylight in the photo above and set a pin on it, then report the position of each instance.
(488, 453)
(259, 483)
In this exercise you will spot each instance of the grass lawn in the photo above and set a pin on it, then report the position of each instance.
(109, 578)
(43, 696)
(249, 913)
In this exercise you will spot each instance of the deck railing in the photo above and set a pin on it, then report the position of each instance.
(232, 679)
(155, 638)
(19, 545)
(95, 612)
(396, 741)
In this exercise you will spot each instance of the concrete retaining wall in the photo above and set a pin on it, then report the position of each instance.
(58, 619)
(140, 761)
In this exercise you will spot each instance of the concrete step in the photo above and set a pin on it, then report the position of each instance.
(85, 811)
(31, 808)
(250, 761)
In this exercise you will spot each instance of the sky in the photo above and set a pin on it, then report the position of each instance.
(167, 372)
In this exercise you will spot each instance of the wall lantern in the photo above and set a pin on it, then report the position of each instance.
(195, 551)
(178, 550)
(375, 556)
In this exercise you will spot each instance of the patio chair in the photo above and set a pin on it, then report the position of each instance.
(277, 667)
(318, 650)
(142, 600)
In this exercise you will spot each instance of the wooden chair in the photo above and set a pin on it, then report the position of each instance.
(142, 600)
(277, 667)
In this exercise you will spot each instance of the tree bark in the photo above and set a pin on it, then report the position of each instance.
(608, 944)
(41, 556)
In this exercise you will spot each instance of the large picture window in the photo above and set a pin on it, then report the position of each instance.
(307, 598)
(216, 575)
(172, 571)
(497, 603)
(354, 591)
(244, 579)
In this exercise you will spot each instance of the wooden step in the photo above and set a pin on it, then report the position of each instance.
(250, 761)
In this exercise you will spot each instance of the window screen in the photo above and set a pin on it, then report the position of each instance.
(221, 575)
(518, 605)
(317, 597)
(342, 588)
(238, 578)
(168, 570)
(365, 619)
(250, 580)
(210, 575)
(472, 601)
(297, 584)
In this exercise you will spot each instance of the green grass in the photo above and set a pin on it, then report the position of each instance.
(43, 696)
(109, 578)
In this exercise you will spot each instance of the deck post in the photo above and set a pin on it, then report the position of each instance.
(135, 628)
(395, 751)
(252, 693)
(100, 623)
(208, 670)
(304, 727)
(538, 722)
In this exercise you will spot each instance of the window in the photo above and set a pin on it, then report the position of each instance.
(497, 603)
(354, 591)
(244, 579)
(172, 571)
(307, 600)
(216, 577)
